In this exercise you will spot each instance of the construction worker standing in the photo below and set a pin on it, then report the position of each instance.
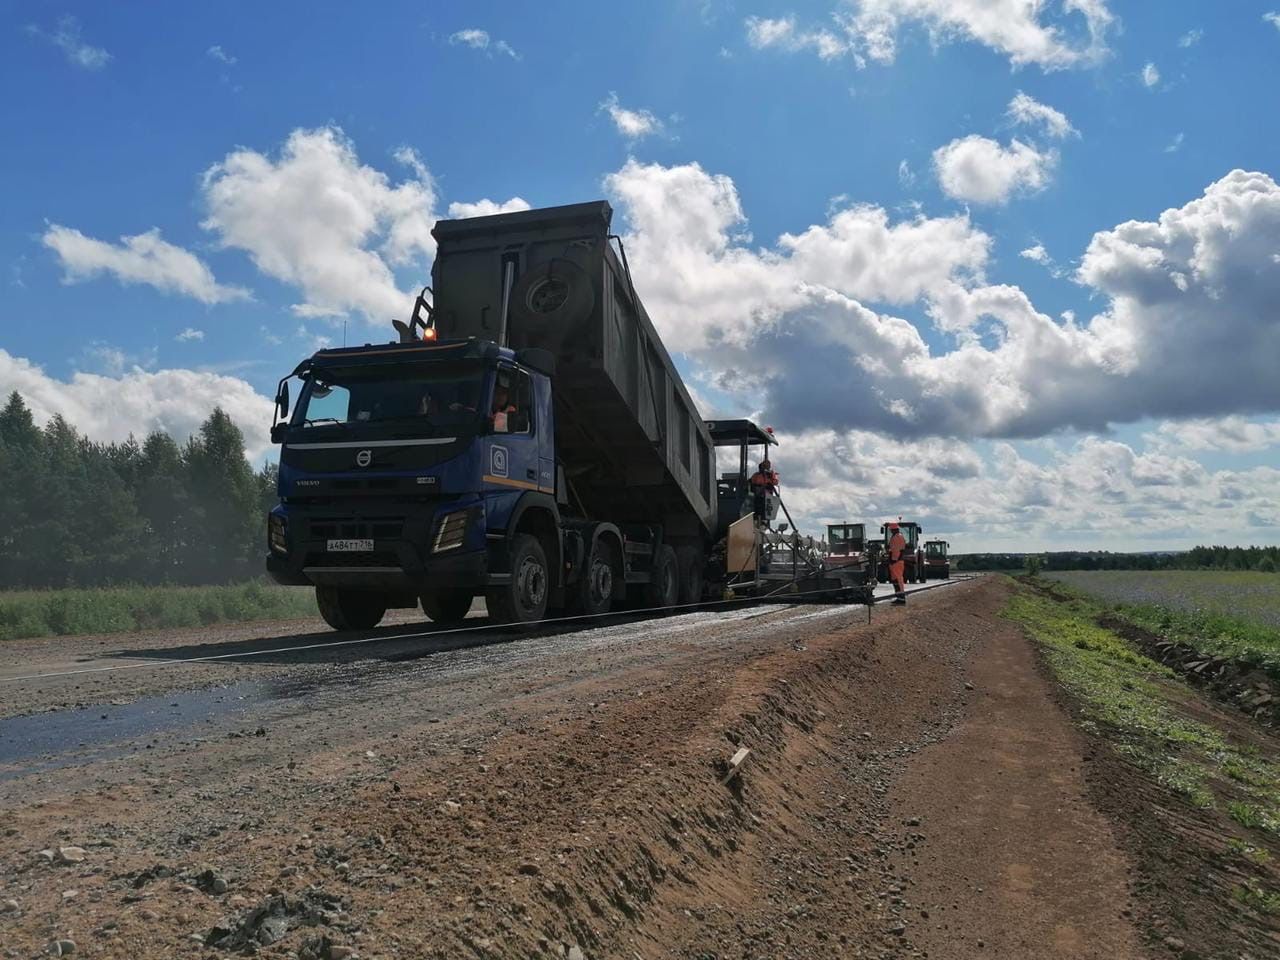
(897, 564)
(764, 484)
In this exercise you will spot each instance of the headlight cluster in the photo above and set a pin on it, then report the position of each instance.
(276, 537)
(451, 532)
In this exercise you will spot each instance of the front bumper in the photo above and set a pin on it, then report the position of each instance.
(402, 559)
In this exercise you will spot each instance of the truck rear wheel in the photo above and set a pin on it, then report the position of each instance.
(350, 609)
(692, 574)
(446, 606)
(523, 599)
(594, 592)
(663, 589)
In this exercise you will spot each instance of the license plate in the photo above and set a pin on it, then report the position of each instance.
(350, 546)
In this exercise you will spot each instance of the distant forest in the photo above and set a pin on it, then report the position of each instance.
(78, 513)
(1263, 559)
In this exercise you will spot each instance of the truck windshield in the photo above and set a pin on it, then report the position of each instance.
(437, 397)
(934, 549)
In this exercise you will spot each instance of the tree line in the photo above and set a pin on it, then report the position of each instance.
(1263, 559)
(74, 512)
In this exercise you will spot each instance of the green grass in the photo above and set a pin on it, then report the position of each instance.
(1252, 895)
(1136, 703)
(1229, 614)
(1258, 855)
(45, 613)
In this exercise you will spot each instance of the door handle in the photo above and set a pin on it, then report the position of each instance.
(531, 473)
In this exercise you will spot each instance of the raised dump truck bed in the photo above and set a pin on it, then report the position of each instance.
(628, 435)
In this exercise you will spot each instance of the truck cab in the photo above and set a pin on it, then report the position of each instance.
(936, 562)
(400, 465)
(846, 543)
(739, 445)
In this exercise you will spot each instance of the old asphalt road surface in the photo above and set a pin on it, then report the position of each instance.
(911, 789)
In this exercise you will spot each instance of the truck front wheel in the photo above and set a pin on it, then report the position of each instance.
(523, 599)
(350, 609)
(446, 606)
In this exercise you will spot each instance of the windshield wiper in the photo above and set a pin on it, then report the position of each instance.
(318, 420)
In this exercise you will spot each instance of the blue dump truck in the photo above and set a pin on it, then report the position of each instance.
(526, 439)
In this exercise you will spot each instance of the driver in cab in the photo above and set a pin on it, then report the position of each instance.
(501, 413)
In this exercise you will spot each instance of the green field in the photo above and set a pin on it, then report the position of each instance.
(45, 613)
(1140, 706)
(1235, 614)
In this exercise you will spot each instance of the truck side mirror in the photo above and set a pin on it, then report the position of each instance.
(282, 400)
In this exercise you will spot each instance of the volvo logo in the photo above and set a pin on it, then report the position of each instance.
(364, 458)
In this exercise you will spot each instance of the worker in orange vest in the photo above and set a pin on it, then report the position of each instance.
(897, 565)
(764, 483)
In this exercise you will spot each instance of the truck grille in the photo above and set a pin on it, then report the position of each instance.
(350, 528)
(378, 558)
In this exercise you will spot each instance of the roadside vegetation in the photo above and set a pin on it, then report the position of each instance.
(1227, 614)
(44, 613)
(1145, 712)
(77, 513)
(1259, 559)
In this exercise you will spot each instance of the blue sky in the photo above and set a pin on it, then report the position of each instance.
(732, 123)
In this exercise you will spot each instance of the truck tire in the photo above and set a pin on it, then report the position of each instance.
(692, 574)
(663, 589)
(593, 594)
(523, 599)
(350, 609)
(552, 298)
(446, 606)
(946, 573)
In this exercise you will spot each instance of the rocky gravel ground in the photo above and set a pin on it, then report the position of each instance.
(570, 795)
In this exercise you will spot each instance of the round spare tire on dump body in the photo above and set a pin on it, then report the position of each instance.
(551, 299)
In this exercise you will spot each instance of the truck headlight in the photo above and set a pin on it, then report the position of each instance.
(277, 540)
(451, 532)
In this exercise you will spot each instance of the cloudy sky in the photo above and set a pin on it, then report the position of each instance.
(1009, 267)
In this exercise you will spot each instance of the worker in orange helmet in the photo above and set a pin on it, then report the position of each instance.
(764, 484)
(897, 564)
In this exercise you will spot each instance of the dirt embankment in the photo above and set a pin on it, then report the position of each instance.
(584, 815)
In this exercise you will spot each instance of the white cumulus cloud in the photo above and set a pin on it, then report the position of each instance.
(1150, 76)
(317, 218)
(486, 208)
(1186, 325)
(1017, 29)
(632, 124)
(1232, 434)
(143, 258)
(189, 334)
(478, 39)
(66, 36)
(217, 53)
(1031, 112)
(136, 401)
(763, 32)
(980, 170)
